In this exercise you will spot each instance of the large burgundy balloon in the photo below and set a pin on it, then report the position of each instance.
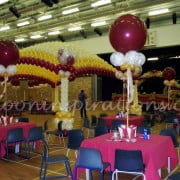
(128, 32)
(169, 73)
(9, 53)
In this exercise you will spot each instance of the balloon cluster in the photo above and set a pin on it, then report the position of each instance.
(128, 34)
(9, 54)
(169, 75)
(66, 69)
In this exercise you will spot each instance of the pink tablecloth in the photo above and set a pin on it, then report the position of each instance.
(155, 151)
(4, 131)
(133, 120)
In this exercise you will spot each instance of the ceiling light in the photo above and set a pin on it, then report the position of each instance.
(3, 1)
(153, 59)
(75, 28)
(24, 23)
(160, 11)
(19, 39)
(101, 23)
(54, 33)
(100, 3)
(36, 36)
(69, 11)
(4, 28)
(45, 17)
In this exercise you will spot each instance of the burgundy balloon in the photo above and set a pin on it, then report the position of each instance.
(70, 60)
(9, 53)
(128, 32)
(169, 73)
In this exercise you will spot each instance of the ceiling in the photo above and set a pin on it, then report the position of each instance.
(31, 10)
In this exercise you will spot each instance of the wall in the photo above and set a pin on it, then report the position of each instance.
(159, 37)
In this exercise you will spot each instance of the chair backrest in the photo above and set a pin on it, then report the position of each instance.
(101, 122)
(129, 160)
(86, 123)
(172, 134)
(15, 135)
(60, 126)
(100, 130)
(103, 115)
(23, 119)
(116, 123)
(89, 158)
(141, 130)
(35, 133)
(46, 125)
(75, 137)
(93, 120)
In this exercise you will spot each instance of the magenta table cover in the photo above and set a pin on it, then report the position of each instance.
(133, 120)
(4, 131)
(155, 151)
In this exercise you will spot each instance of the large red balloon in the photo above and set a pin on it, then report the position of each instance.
(9, 53)
(169, 73)
(128, 32)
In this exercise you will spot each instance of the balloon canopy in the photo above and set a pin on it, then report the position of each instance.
(9, 53)
(169, 73)
(128, 32)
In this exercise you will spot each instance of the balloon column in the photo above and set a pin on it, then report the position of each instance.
(66, 71)
(9, 55)
(127, 35)
(169, 75)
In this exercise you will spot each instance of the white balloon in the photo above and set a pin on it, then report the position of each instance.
(61, 72)
(141, 59)
(2, 69)
(67, 73)
(117, 59)
(131, 57)
(11, 69)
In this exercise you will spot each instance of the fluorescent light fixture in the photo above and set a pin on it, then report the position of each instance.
(45, 17)
(75, 28)
(101, 23)
(69, 11)
(100, 3)
(3, 1)
(36, 36)
(156, 12)
(153, 59)
(19, 39)
(53, 33)
(4, 28)
(24, 23)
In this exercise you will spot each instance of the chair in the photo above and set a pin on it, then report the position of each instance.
(75, 137)
(35, 134)
(23, 119)
(53, 159)
(128, 161)
(101, 122)
(115, 124)
(14, 136)
(58, 132)
(140, 130)
(93, 120)
(87, 126)
(175, 176)
(100, 130)
(89, 158)
(172, 134)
